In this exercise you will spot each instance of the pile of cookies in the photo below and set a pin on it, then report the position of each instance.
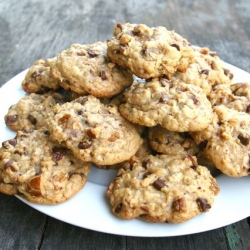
(146, 102)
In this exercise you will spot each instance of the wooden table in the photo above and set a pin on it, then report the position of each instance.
(30, 30)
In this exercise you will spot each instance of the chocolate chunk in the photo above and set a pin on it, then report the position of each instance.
(176, 46)
(9, 164)
(244, 140)
(204, 71)
(92, 53)
(158, 184)
(145, 163)
(12, 142)
(32, 119)
(103, 75)
(202, 204)
(85, 145)
(164, 99)
(118, 209)
(58, 153)
(203, 144)
(11, 118)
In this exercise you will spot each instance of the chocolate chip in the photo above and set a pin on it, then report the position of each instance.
(204, 71)
(32, 119)
(9, 164)
(46, 132)
(231, 76)
(202, 204)
(226, 71)
(92, 53)
(244, 140)
(248, 109)
(195, 100)
(58, 153)
(145, 163)
(85, 145)
(158, 184)
(176, 46)
(11, 118)
(164, 99)
(103, 75)
(203, 144)
(12, 142)
(118, 209)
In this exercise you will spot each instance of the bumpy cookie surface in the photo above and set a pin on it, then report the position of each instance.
(162, 189)
(207, 70)
(39, 78)
(40, 170)
(149, 52)
(94, 131)
(171, 143)
(226, 141)
(234, 96)
(174, 105)
(87, 69)
(31, 110)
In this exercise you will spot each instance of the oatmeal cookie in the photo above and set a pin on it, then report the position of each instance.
(173, 104)
(149, 52)
(31, 110)
(86, 69)
(234, 96)
(94, 131)
(40, 170)
(226, 141)
(207, 70)
(171, 143)
(162, 188)
(39, 79)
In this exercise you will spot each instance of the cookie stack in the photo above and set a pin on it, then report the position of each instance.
(145, 102)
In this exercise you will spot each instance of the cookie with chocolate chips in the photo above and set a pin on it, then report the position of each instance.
(207, 70)
(162, 188)
(40, 170)
(39, 79)
(173, 104)
(87, 69)
(226, 141)
(32, 110)
(171, 143)
(149, 52)
(235, 96)
(94, 131)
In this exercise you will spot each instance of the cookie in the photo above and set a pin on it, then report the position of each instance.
(226, 141)
(173, 104)
(39, 79)
(235, 96)
(171, 143)
(93, 131)
(162, 188)
(40, 170)
(31, 110)
(149, 52)
(207, 70)
(86, 69)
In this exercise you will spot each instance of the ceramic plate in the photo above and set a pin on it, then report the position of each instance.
(90, 207)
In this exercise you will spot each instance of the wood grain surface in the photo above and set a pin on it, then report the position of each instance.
(30, 30)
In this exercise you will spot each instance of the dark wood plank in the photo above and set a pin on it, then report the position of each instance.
(59, 235)
(21, 227)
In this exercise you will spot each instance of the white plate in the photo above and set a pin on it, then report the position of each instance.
(90, 207)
